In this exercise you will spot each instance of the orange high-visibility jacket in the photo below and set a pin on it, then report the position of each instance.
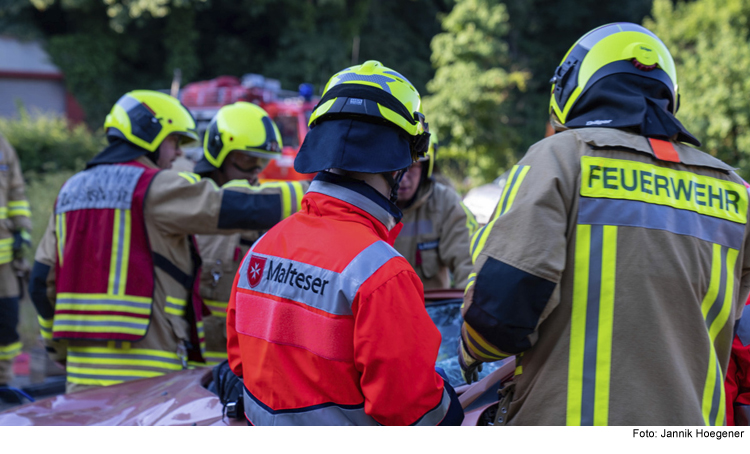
(326, 322)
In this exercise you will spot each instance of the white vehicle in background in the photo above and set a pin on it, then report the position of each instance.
(481, 201)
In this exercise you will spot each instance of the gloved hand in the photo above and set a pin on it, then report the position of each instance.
(21, 238)
(470, 366)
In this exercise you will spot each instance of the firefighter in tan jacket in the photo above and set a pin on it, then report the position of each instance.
(236, 163)
(437, 226)
(615, 265)
(15, 225)
(114, 281)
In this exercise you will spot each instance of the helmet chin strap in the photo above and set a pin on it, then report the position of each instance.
(394, 182)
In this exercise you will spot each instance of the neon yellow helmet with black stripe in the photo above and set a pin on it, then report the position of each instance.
(146, 117)
(243, 127)
(611, 49)
(376, 93)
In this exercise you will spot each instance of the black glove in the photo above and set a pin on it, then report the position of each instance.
(470, 366)
(21, 238)
(229, 387)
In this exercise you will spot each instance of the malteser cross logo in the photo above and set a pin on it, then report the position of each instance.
(255, 270)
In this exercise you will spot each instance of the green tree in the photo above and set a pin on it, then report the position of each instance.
(474, 76)
(709, 42)
(108, 47)
(541, 32)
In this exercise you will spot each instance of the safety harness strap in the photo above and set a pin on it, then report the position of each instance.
(171, 269)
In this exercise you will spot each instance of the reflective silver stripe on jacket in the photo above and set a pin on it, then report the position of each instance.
(295, 281)
(329, 414)
(104, 186)
(354, 198)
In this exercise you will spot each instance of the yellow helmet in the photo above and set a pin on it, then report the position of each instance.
(244, 127)
(376, 93)
(145, 118)
(610, 49)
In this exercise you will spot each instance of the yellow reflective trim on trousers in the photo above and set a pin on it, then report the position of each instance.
(606, 321)
(212, 359)
(128, 362)
(10, 351)
(175, 306)
(3, 212)
(106, 372)
(93, 381)
(60, 233)
(95, 329)
(217, 305)
(114, 350)
(630, 180)
(578, 324)
(60, 318)
(98, 307)
(45, 327)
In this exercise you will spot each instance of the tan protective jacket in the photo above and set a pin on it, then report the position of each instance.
(435, 237)
(222, 255)
(616, 266)
(15, 214)
(177, 205)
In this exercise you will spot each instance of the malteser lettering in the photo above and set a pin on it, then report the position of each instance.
(295, 278)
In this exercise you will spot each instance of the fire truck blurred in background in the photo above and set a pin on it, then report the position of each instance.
(290, 110)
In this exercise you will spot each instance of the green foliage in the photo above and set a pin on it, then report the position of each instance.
(468, 108)
(47, 143)
(108, 47)
(710, 44)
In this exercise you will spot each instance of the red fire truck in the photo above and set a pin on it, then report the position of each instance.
(290, 110)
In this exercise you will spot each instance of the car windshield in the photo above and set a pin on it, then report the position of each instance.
(447, 317)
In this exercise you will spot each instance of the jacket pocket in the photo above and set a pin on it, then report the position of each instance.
(428, 259)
